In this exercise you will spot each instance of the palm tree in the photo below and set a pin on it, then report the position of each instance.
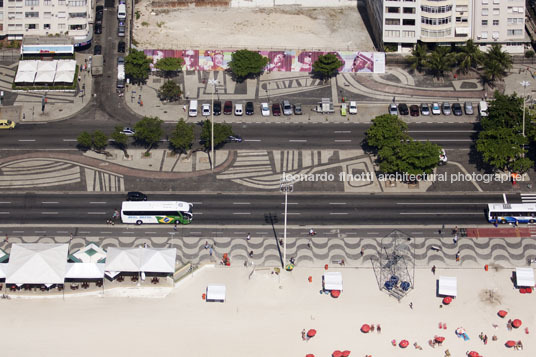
(493, 71)
(418, 57)
(440, 61)
(469, 56)
(502, 57)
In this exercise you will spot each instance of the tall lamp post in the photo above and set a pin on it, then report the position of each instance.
(286, 187)
(214, 84)
(525, 84)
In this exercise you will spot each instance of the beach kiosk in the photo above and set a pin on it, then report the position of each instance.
(215, 293)
(525, 277)
(332, 281)
(447, 286)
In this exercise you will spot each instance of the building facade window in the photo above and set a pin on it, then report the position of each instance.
(436, 33)
(46, 26)
(409, 10)
(47, 15)
(31, 2)
(485, 12)
(514, 32)
(436, 9)
(47, 2)
(32, 14)
(496, 11)
(484, 22)
(73, 15)
(392, 22)
(408, 22)
(32, 26)
(77, 3)
(393, 10)
(392, 33)
(514, 21)
(408, 34)
(433, 21)
(61, 27)
(76, 27)
(61, 2)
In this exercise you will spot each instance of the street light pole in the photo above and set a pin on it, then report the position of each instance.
(525, 84)
(286, 187)
(214, 83)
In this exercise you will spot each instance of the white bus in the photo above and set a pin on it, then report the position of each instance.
(162, 212)
(512, 212)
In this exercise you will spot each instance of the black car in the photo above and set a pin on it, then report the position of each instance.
(217, 107)
(414, 110)
(97, 50)
(403, 109)
(228, 108)
(121, 47)
(276, 109)
(98, 29)
(249, 108)
(99, 9)
(457, 109)
(98, 18)
(136, 196)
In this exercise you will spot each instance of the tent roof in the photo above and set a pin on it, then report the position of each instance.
(64, 76)
(216, 293)
(66, 65)
(37, 263)
(91, 253)
(448, 286)
(333, 281)
(47, 65)
(85, 271)
(27, 66)
(150, 260)
(525, 277)
(25, 77)
(3, 268)
(44, 77)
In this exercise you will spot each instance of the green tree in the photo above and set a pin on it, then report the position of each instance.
(501, 147)
(182, 137)
(170, 91)
(469, 56)
(149, 132)
(496, 53)
(246, 64)
(493, 71)
(137, 66)
(221, 133)
(100, 140)
(169, 66)
(496, 64)
(120, 139)
(386, 130)
(327, 66)
(84, 140)
(440, 61)
(417, 157)
(388, 157)
(529, 54)
(418, 57)
(505, 111)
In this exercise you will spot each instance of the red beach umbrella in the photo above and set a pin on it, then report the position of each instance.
(335, 293)
(404, 343)
(473, 354)
(502, 313)
(439, 339)
(365, 328)
(309, 355)
(517, 323)
(510, 343)
(311, 333)
(447, 300)
(336, 354)
(345, 353)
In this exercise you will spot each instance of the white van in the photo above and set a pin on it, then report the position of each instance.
(483, 108)
(192, 109)
(122, 12)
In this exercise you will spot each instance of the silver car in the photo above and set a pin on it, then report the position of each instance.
(447, 110)
(468, 108)
(425, 109)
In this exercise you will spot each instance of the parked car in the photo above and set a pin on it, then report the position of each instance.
(343, 109)
(98, 29)
(228, 108)
(99, 16)
(217, 107)
(121, 47)
(468, 108)
(436, 110)
(352, 108)
(414, 110)
(287, 108)
(128, 131)
(403, 109)
(276, 109)
(7, 124)
(121, 31)
(457, 109)
(249, 108)
(446, 108)
(234, 139)
(393, 110)
(97, 50)
(120, 60)
(205, 110)
(136, 196)
(425, 109)
(238, 109)
(297, 109)
(265, 109)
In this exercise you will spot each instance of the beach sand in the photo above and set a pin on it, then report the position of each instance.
(265, 314)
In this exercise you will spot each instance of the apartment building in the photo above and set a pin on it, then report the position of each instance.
(73, 18)
(399, 24)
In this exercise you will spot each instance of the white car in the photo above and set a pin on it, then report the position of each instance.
(128, 131)
(436, 109)
(352, 109)
(443, 157)
(238, 109)
(205, 110)
(393, 109)
(265, 109)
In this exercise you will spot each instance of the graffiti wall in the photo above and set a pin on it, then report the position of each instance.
(278, 61)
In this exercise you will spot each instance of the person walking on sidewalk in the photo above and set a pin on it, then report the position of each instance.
(433, 269)
(458, 256)
(249, 236)
(455, 239)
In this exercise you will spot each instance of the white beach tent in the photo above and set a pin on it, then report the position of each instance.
(27, 66)
(25, 77)
(66, 65)
(3, 271)
(84, 271)
(44, 77)
(123, 259)
(37, 263)
(158, 260)
(332, 281)
(216, 293)
(91, 253)
(64, 77)
(525, 277)
(47, 65)
(448, 286)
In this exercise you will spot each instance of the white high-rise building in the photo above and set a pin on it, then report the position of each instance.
(399, 24)
(74, 18)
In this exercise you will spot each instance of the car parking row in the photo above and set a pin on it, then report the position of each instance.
(435, 109)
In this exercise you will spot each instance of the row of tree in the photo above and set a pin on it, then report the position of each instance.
(148, 132)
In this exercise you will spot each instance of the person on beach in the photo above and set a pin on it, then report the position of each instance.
(433, 269)
(303, 335)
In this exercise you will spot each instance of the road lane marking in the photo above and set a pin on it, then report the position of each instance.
(439, 203)
(40, 231)
(4, 213)
(5, 202)
(26, 140)
(49, 202)
(373, 233)
(292, 213)
(290, 203)
(96, 213)
(441, 131)
(337, 203)
(444, 213)
(49, 213)
(297, 140)
(338, 213)
(342, 141)
(97, 203)
(450, 140)
(69, 140)
(256, 140)
(127, 232)
(342, 131)
(197, 203)
(241, 203)
(240, 213)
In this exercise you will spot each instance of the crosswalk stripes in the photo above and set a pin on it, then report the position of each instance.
(528, 197)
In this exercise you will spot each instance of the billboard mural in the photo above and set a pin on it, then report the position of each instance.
(278, 61)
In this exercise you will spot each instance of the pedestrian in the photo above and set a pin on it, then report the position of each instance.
(175, 226)
(6, 240)
(207, 245)
(456, 239)
(309, 245)
(251, 254)
(378, 329)
(372, 328)
(485, 339)
(292, 261)
(115, 215)
(509, 325)
(341, 262)
(481, 336)
(433, 269)
(281, 242)
(456, 230)
(303, 335)
(362, 251)
(249, 236)
(312, 232)
(79, 79)
(210, 251)
(184, 107)
(458, 256)
(411, 305)
(71, 238)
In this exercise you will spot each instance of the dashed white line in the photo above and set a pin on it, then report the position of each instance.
(197, 203)
(49, 213)
(69, 140)
(127, 232)
(96, 213)
(290, 203)
(342, 141)
(373, 233)
(243, 213)
(241, 203)
(5, 203)
(436, 213)
(84, 232)
(4, 212)
(338, 213)
(105, 232)
(150, 232)
(62, 232)
(97, 203)
(26, 140)
(439, 203)
(293, 213)
(342, 131)
(256, 140)
(40, 231)
(49, 202)
(337, 203)
(297, 140)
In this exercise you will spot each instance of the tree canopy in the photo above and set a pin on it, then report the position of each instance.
(170, 91)
(221, 133)
(386, 130)
(245, 64)
(137, 66)
(418, 57)
(327, 66)
(169, 66)
(149, 131)
(96, 141)
(182, 137)
(440, 61)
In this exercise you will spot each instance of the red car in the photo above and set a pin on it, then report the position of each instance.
(276, 109)
(228, 108)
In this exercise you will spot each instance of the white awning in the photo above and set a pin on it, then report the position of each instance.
(3, 271)
(215, 293)
(158, 260)
(332, 281)
(25, 77)
(448, 286)
(149, 260)
(64, 77)
(66, 65)
(85, 271)
(91, 253)
(525, 277)
(462, 30)
(27, 66)
(37, 263)
(45, 77)
(47, 65)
